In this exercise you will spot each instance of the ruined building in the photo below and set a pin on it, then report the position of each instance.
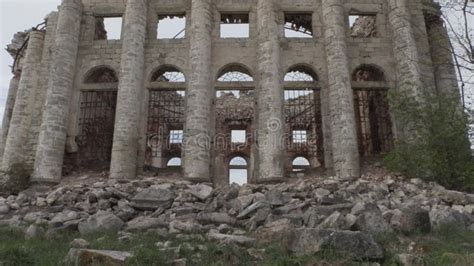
(268, 89)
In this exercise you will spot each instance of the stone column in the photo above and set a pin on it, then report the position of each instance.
(270, 119)
(200, 94)
(131, 81)
(341, 101)
(22, 112)
(52, 138)
(441, 54)
(7, 115)
(405, 48)
(407, 62)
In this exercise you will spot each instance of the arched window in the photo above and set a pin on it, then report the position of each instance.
(300, 164)
(168, 74)
(374, 126)
(174, 162)
(97, 117)
(165, 123)
(368, 73)
(238, 172)
(234, 73)
(101, 75)
(300, 73)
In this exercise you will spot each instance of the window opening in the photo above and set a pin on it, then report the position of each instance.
(175, 161)
(238, 136)
(300, 164)
(108, 28)
(234, 26)
(363, 26)
(298, 25)
(171, 26)
(238, 172)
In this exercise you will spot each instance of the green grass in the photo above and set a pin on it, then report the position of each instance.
(449, 246)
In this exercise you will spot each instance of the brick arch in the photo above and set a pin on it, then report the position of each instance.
(160, 70)
(100, 74)
(368, 72)
(303, 68)
(234, 155)
(234, 67)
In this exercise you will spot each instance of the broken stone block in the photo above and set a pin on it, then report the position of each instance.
(371, 221)
(79, 243)
(409, 260)
(34, 231)
(153, 198)
(410, 220)
(144, 223)
(216, 218)
(201, 191)
(356, 245)
(442, 216)
(83, 257)
(231, 239)
(251, 209)
(99, 223)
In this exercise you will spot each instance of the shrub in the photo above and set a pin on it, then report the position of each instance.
(435, 144)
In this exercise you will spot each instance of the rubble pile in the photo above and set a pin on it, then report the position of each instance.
(306, 214)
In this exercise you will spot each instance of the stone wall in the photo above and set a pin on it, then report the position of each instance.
(333, 53)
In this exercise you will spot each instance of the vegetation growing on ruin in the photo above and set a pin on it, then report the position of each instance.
(448, 246)
(436, 145)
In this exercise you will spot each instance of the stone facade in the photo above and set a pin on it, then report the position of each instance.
(79, 90)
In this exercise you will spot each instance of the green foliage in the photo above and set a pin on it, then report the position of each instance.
(448, 246)
(15, 179)
(435, 145)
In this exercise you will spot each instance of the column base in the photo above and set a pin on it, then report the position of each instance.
(38, 182)
(198, 179)
(271, 180)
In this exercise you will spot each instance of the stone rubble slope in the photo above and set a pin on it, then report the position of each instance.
(309, 214)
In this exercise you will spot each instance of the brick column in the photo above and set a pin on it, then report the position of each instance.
(23, 109)
(200, 93)
(52, 138)
(405, 48)
(7, 115)
(444, 69)
(130, 91)
(341, 102)
(270, 120)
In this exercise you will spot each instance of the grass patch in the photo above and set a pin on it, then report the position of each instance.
(448, 246)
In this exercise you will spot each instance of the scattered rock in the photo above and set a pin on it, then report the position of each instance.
(153, 198)
(274, 232)
(231, 239)
(371, 221)
(55, 195)
(99, 223)
(216, 218)
(410, 220)
(79, 243)
(81, 257)
(4, 208)
(144, 223)
(251, 209)
(445, 216)
(409, 260)
(355, 245)
(201, 191)
(34, 231)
